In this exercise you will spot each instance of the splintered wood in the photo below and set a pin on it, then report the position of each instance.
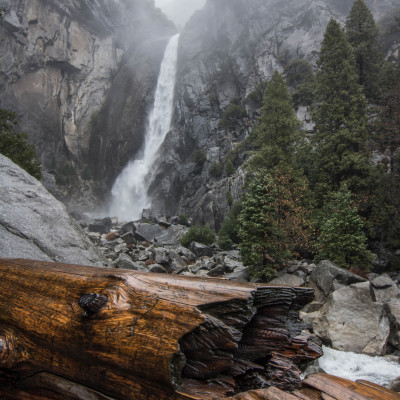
(73, 332)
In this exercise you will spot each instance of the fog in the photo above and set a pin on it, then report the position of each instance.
(179, 11)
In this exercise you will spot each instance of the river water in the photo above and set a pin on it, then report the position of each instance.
(359, 366)
(129, 192)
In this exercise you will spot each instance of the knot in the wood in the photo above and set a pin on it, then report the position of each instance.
(92, 303)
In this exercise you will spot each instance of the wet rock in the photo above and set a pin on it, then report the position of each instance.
(172, 235)
(129, 238)
(34, 225)
(125, 262)
(287, 280)
(384, 288)
(395, 385)
(200, 250)
(147, 232)
(231, 264)
(218, 270)
(127, 228)
(157, 268)
(328, 277)
(240, 274)
(351, 321)
(392, 308)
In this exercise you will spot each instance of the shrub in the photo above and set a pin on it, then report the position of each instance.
(229, 168)
(216, 170)
(202, 234)
(232, 115)
(228, 234)
(15, 145)
(229, 198)
(198, 157)
(183, 220)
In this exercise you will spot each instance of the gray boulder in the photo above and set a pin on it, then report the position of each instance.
(328, 277)
(392, 308)
(172, 235)
(384, 288)
(201, 250)
(287, 280)
(34, 225)
(395, 385)
(240, 274)
(147, 232)
(351, 321)
(125, 262)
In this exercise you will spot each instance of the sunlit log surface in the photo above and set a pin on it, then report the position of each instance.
(73, 332)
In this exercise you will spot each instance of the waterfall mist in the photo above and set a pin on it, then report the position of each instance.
(129, 192)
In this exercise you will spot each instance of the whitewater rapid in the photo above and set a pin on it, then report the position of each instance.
(354, 366)
(129, 192)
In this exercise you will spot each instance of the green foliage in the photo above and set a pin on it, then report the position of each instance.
(340, 119)
(216, 169)
(15, 146)
(363, 36)
(232, 115)
(201, 234)
(198, 157)
(256, 96)
(183, 220)
(273, 223)
(229, 168)
(342, 239)
(300, 77)
(277, 128)
(229, 198)
(228, 234)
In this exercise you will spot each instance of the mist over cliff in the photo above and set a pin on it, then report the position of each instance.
(82, 76)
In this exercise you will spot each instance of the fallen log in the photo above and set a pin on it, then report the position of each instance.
(335, 388)
(73, 332)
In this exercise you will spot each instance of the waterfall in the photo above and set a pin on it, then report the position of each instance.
(129, 192)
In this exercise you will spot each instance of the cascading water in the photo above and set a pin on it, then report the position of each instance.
(359, 366)
(129, 192)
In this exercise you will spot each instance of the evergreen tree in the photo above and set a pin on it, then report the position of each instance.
(273, 223)
(342, 239)
(15, 146)
(340, 118)
(277, 127)
(363, 36)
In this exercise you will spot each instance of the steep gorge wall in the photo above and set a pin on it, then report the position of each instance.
(226, 50)
(63, 64)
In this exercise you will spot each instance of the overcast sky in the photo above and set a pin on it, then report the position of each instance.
(179, 11)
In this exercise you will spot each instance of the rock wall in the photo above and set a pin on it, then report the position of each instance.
(34, 225)
(226, 50)
(63, 65)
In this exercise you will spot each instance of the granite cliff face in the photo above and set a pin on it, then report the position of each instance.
(82, 76)
(226, 50)
(61, 63)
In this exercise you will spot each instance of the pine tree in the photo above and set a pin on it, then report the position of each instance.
(342, 239)
(363, 36)
(340, 118)
(273, 223)
(277, 127)
(15, 146)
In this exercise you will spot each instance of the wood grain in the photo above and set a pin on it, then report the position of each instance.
(130, 335)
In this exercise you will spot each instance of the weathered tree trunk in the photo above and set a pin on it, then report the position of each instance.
(73, 332)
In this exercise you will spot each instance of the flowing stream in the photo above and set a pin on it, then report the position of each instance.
(129, 192)
(359, 366)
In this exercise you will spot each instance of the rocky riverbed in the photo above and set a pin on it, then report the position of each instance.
(349, 313)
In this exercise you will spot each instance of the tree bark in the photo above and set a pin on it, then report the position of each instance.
(74, 332)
